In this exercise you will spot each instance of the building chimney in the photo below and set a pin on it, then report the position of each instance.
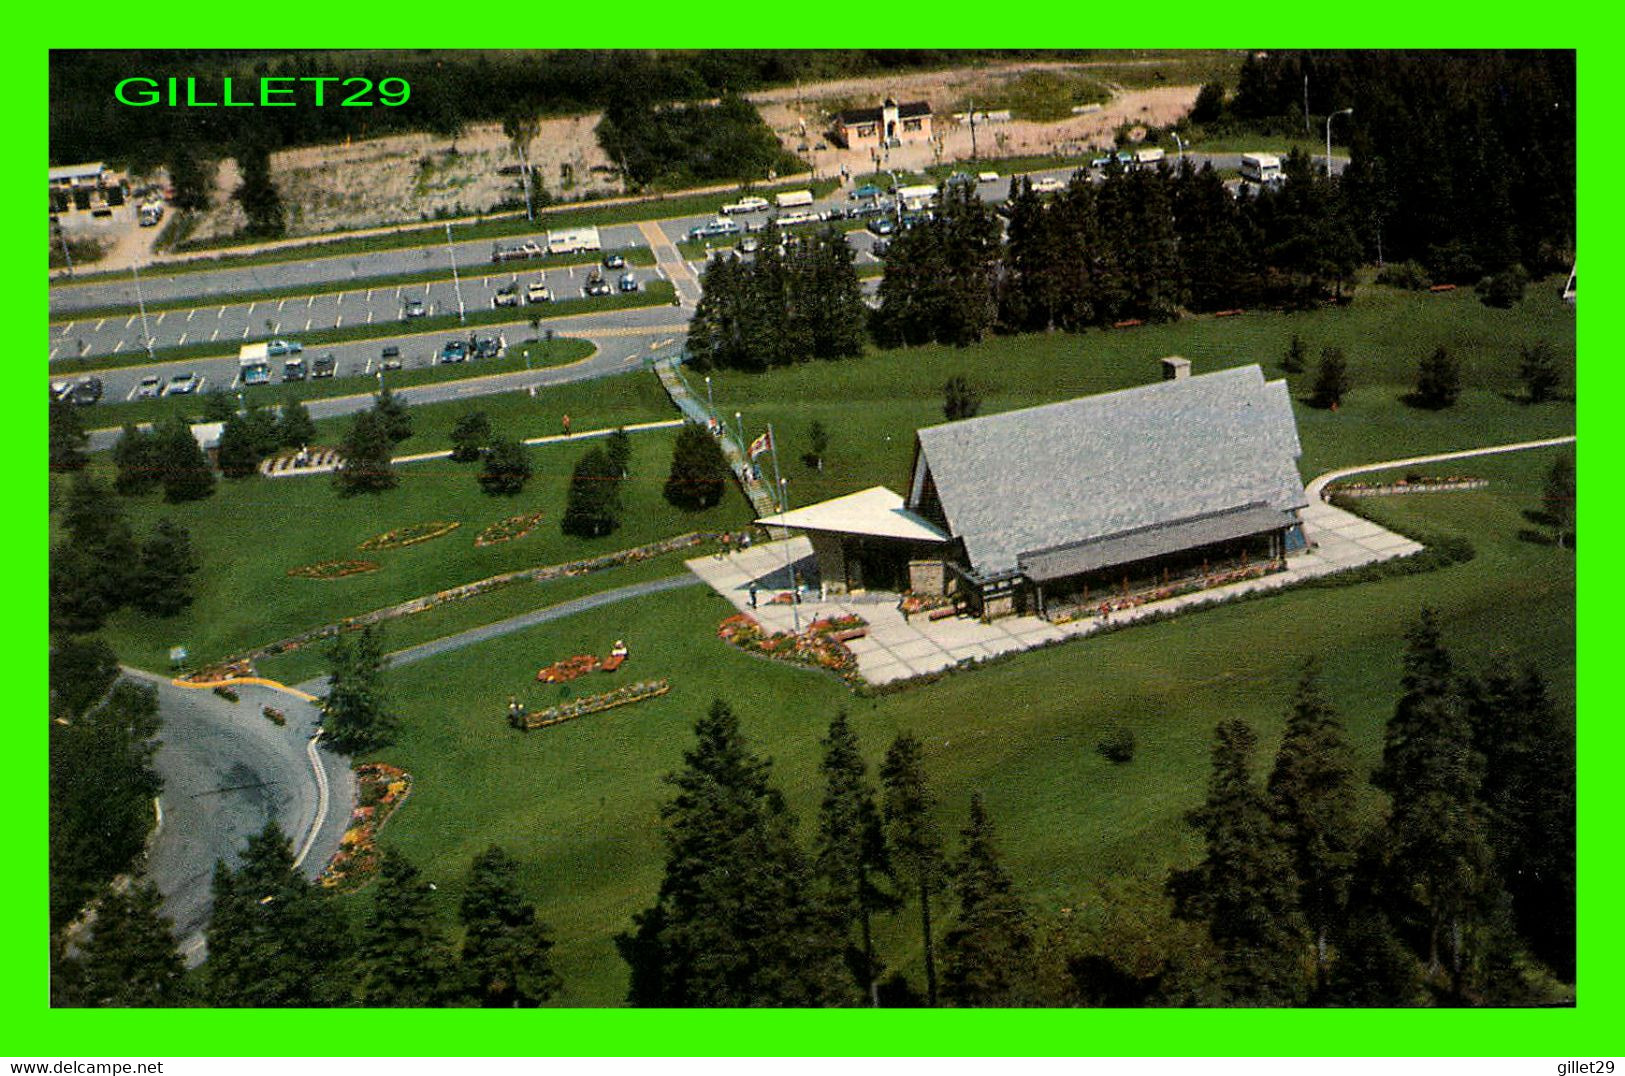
(1175, 368)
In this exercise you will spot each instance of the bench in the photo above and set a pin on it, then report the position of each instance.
(944, 613)
(850, 633)
(612, 663)
(1443, 287)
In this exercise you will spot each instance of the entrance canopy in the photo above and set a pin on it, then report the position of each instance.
(877, 512)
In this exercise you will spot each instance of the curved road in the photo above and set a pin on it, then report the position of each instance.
(228, 771)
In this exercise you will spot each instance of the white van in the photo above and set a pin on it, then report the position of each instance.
(793, 199)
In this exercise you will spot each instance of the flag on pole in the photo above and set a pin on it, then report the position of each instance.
(762, 444)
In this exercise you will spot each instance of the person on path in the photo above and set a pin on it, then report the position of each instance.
(565, 422)
(753, 593)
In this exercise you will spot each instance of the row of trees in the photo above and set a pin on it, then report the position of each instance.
(746, 917)
(791, 303)
(1470, 872)
(276, 941)
(98, 566)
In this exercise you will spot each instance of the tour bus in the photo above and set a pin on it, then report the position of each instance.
(1261, 168)
(573, 240)
(793, 199)
(916, 197)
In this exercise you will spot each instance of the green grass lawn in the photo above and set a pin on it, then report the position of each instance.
(579, 804)
(872, 405)
(251, 532)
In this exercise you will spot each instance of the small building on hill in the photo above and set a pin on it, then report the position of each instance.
(1051, 509)
(890, 124)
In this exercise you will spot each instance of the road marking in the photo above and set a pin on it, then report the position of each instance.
(321, 799)
(339, 321)
(99, 323)
(216, 334)
(340, 301)
(218, 314)
(307, 324)
(161, 317)
(117, 347)
(52, 355)
(181, 341)
(129, 319)
(369, 316)
(189, 314)
(131, 394)
(369, 295)
(308, 300)
(251, 307)
(67, 328)
(279, 305)
(204, 380)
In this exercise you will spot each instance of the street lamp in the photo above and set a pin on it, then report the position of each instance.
(1180, 142)
(739, 422)
(710, 404)
(142, 306)
(1339, 112)
(455, 283)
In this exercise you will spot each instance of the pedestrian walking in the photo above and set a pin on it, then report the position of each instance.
(753, 593)
(565, 422)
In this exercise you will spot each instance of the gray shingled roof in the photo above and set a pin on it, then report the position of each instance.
(1099, 466)
(1157, 540)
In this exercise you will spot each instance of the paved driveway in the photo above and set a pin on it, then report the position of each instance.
(228, 771)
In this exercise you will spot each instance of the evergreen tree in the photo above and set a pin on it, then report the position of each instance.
(1311, 792)
(80, 599)
(261, 201)
(91, 567)
(1244, 888)
(130, 959)
(1537, 369)
(506, 959)
(1528, 793)
(81, 671)
(263, 430)
(832, 298)
(1211, 252)
(161, 584)
(817, 445)
(239, 454)
(1209, 106)
(716, 335)
(911, 835)
(849, 853)
(1332, 381)
(618, 447)
(1557, 499)
(507, 468)
(735, 923)
(217, 406)
(192, 174)
(397, 418)
(274, 940)
(295, 427)
(101, 789)
(366, 465)
(137, 462)
(183, 468)
(68, 438)
(405, 959)
(1296, 359)
(699, 470)
(960, 399)
(1441, 862)
(592, 507)
(1438, 380)
(988, 955)
(469, 436)
(356, 714)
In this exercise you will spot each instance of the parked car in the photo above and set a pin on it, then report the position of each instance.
(748, 204)
(961, 179)
(507, 296)
(490, 347)
(1048, 185)
(283, 347)
(629, 282)
(324, 366)
(86, 391)
(454, 351)
(868, 190)
(293, 370)
(596, 285)
(181, 385)
(516, 252)
(148, 388)
(883, 226)
(715, 228)
(614, 261)
(414, 308)
(60, 389)
(391, 358)
(538, 292)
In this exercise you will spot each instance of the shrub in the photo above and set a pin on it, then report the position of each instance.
(1408, 275)
(1117, 744)
(1505, 288)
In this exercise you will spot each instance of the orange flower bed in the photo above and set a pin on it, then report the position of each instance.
(506, 530)
(333, 569)
(383, 788)
(404, 536)
(569, 669)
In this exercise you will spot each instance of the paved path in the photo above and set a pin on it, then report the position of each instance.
(669, 260)
(524, 620)
(228, 771)
(756, 491)
(1316, 488)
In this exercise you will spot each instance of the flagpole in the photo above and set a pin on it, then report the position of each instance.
(778, 483)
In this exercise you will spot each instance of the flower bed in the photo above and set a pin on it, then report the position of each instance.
(924, 603)
(1409, 484)
(225, 670)
(818, 646)
(404, 536)
(383, 789)
(506, 530)
(561, 672)
(333, 569)
(1174, 590)
(588, 704)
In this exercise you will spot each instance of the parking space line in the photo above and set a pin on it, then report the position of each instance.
(280, 304)
(128, 320)
(118, 346)
(218, 314)
(369, 316)
(131, 394)
(245, 333)
(216, 334)
(308, 300)
(251, 307)
(181, 341)
(161, 317)
(189, 314)
(99, 323)
(307, 324)
(201, 382)
(52, 355)
(67, 328)
(369, 295)
(338, 321)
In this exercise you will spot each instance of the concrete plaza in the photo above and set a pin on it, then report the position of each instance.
(897, 649)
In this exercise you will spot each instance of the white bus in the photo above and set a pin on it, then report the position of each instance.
(917, 196)
(1262, 168)
(792, 199)
(573, 240)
